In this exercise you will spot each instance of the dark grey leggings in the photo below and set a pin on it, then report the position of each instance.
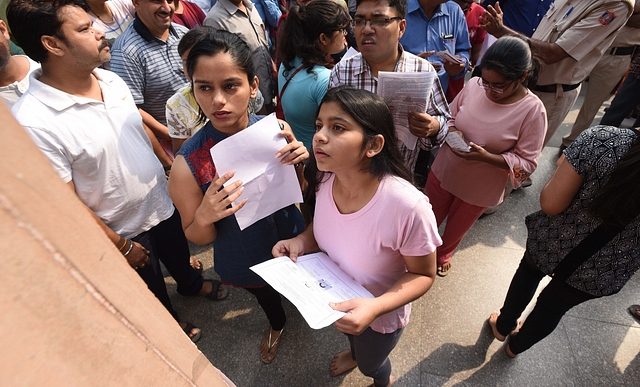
(371, 351)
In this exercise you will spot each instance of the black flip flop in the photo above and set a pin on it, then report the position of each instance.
(215, 287)
(634, 310)
(187, 330)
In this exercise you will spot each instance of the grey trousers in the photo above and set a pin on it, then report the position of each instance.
(371, 351)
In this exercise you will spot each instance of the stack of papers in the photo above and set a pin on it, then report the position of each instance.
(404, 92)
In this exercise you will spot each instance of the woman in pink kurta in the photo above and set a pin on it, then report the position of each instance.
(504, 125)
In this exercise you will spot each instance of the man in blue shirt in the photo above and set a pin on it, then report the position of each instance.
(522, 15)
(438, 25)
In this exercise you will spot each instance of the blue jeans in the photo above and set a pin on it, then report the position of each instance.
(627, 98)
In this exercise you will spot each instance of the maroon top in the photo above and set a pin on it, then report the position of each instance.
(192, 16)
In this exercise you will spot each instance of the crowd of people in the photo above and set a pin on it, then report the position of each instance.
(127, 97)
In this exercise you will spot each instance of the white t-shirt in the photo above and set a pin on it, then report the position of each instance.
(103, 148)
(370, 244)
(12, 93)
(183, 114)
(123, 14)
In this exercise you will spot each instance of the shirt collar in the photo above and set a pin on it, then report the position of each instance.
(414, 5)
(143, 31)
(364, 65)
(442, 10)
(232, 8)
(57, 99)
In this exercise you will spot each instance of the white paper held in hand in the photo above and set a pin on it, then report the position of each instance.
(311, 284)
(268, 185)
(404, 92)
(455, 141)
(449, 57)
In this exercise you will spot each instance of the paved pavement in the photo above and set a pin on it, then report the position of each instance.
(448, 341)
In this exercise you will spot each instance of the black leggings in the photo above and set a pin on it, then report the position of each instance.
(552, 303)
(270, 302)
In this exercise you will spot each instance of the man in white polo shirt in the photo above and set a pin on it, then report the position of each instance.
(86, 123)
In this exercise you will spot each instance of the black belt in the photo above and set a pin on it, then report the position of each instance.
(622, 50)
(553, 88)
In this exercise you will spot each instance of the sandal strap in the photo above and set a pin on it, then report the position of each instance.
(276, 341)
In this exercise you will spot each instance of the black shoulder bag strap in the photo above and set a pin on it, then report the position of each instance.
(284, 87)
(585, 249)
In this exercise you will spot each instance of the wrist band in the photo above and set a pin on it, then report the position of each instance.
(130, 248)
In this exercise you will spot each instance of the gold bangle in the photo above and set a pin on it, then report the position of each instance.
(123, 244)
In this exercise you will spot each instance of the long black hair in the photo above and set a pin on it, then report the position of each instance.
(510, 56)
(371, 112)
(301, 31)
(617, 202)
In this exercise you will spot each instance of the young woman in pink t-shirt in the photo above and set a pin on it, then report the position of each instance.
(371, 221)
(504, 124)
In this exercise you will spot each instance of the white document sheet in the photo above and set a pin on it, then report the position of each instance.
(454, 140)
(449, 56)
(404, 92)
(268, 185)
(350, 52)
(311, 284)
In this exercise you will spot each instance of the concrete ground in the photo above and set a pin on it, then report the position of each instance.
(448, 341)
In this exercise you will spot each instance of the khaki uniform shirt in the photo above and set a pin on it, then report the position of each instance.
(628, 36)
(584, 30)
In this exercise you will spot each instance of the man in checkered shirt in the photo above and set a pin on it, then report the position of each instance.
(378, 26)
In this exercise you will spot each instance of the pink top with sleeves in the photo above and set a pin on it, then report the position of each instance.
(370, 244)
(516, 131)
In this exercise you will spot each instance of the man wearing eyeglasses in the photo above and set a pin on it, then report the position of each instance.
(434, 26)
(378, 27)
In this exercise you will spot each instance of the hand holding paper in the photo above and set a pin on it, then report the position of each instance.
(294, 152)
(215, 204)
(422, 124)
(268, 184)
(455, 141)
(447, 56)
(291, 248)
(360, 313)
